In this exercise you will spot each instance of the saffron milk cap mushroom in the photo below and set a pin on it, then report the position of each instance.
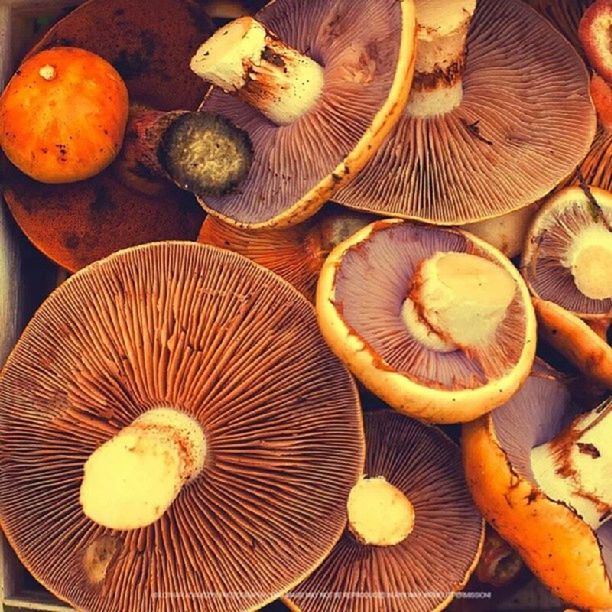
(174, 411)
(413, 536)
(499, 114)
(436, 322)
(540, 473)
(317, 86)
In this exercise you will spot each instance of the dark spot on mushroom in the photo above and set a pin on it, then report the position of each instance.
(588, 449)
(62, 152)
(102, 203)
(474, 130)
(533, 495)
(119, 12)
(71, 241)
(273, 58)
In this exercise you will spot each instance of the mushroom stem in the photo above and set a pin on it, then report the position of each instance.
(575, 467)
(443, 26)
(199, 152)
(457, 300)
(246, 59)
(131, 480)
(379, 514)
(587, 259)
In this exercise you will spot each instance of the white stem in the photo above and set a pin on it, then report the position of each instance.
(576, 467)
(130, 481)
(442, 33)
(457, 300)
(246, 59)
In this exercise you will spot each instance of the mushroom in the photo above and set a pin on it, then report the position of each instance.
(55, 129)
(295, 253)
(198, 152)
(434, 321)
(318, 86)
(493, 124)
(175, 433)
(566, 264)
(542, 480)
(148, 42)
(414, 535)
(595, 33)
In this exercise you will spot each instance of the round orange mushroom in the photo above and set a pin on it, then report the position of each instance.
(63, 115)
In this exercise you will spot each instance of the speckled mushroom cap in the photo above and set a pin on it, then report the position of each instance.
(440, 554)
(365, 286)
(233, 346)
(568, 252)
(367, 55)
(149, 42)
(296, 253)
(525, 122)
(560, 548)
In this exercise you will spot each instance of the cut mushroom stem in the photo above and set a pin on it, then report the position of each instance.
(200, 152)
(130, 481)
(440, 61)
(457, 300)
(246, 59)
(575, 468)
(379, 514)
(588, 259)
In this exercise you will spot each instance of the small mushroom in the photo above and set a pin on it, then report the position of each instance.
(566, 264)
(413, 537)
(53, 127)
(296, 253)
(434, 321)
(318, 86)
(148, 42)
(595, 33)
(498, 117)
(541, 476)
(198, 152)
(171, 424)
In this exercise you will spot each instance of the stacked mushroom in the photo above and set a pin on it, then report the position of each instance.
(188, 418)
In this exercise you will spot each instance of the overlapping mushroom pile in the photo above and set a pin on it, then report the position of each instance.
(241, 392)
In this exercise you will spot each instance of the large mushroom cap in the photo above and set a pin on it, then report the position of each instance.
(574, 561)
(434, 321)
(149, 43)
(435, 559)
(568, 252)
(223, 341)
(366, 52)
(525, 122)
(296, 253)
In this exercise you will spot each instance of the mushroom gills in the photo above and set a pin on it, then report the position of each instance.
(457, 300)
(379, 514)
(131, 480)
(245, 58)
(575, 467)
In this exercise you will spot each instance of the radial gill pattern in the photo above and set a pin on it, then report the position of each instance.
(436, 559)
(525, 123)
(229, 343)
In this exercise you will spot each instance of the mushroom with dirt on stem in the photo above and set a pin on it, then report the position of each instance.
(539, 472)
(174, 409)
(318, 86)
(566, 264)
(497, 118)
(412, 526)
(436, 322)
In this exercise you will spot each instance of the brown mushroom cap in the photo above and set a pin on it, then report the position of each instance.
(561, 549)
(525, 122)
(436, 559)
(568, 252)
(228, 343)
(296, 253)
(361, 298)
(366, 53)
(149, 43)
